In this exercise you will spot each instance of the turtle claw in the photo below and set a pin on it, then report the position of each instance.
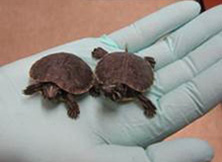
(73, 113)
(73, 108)
(150, 112)
(149, 107)
(151, 61)
(33, 88)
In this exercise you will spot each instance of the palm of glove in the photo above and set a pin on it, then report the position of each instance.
(187, 62)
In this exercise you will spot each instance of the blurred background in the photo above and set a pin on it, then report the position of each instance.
(30, 26)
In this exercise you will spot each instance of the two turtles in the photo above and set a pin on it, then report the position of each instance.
(119, 76)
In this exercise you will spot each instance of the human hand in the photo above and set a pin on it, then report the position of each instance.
(188, 55)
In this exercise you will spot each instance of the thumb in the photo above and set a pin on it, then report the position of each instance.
(184, 150)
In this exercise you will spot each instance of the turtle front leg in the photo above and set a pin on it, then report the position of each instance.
(151, 61)
(95, 90)
(150, 109)
(33, 88)
(73, 108)
(98, 53)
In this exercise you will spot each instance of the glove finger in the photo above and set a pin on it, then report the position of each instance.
(147, 30)
(186, 149)
(183, 70)
(193, 99)
(185, 39)
(117, 153)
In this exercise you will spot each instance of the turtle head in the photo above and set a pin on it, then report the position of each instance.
(50, 91)
(110, 91)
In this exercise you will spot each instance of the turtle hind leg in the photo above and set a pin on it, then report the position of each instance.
(150, 109)
(33, 88)
(73, 108)
(151, 61)
(98, 53)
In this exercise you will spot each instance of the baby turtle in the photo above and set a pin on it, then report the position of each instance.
(122, 76)
(61, 76)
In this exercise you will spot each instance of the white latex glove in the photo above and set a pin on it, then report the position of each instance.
(188, 52)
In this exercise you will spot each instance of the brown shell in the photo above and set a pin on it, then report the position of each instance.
(126, 68)
(67, 71)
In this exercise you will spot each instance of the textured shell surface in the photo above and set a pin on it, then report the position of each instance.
(66, 70)
(126, 68)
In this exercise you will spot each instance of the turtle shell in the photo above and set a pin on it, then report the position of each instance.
(66, 70)
(126, 68)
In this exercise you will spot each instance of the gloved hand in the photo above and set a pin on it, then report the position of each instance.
(187, 49)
